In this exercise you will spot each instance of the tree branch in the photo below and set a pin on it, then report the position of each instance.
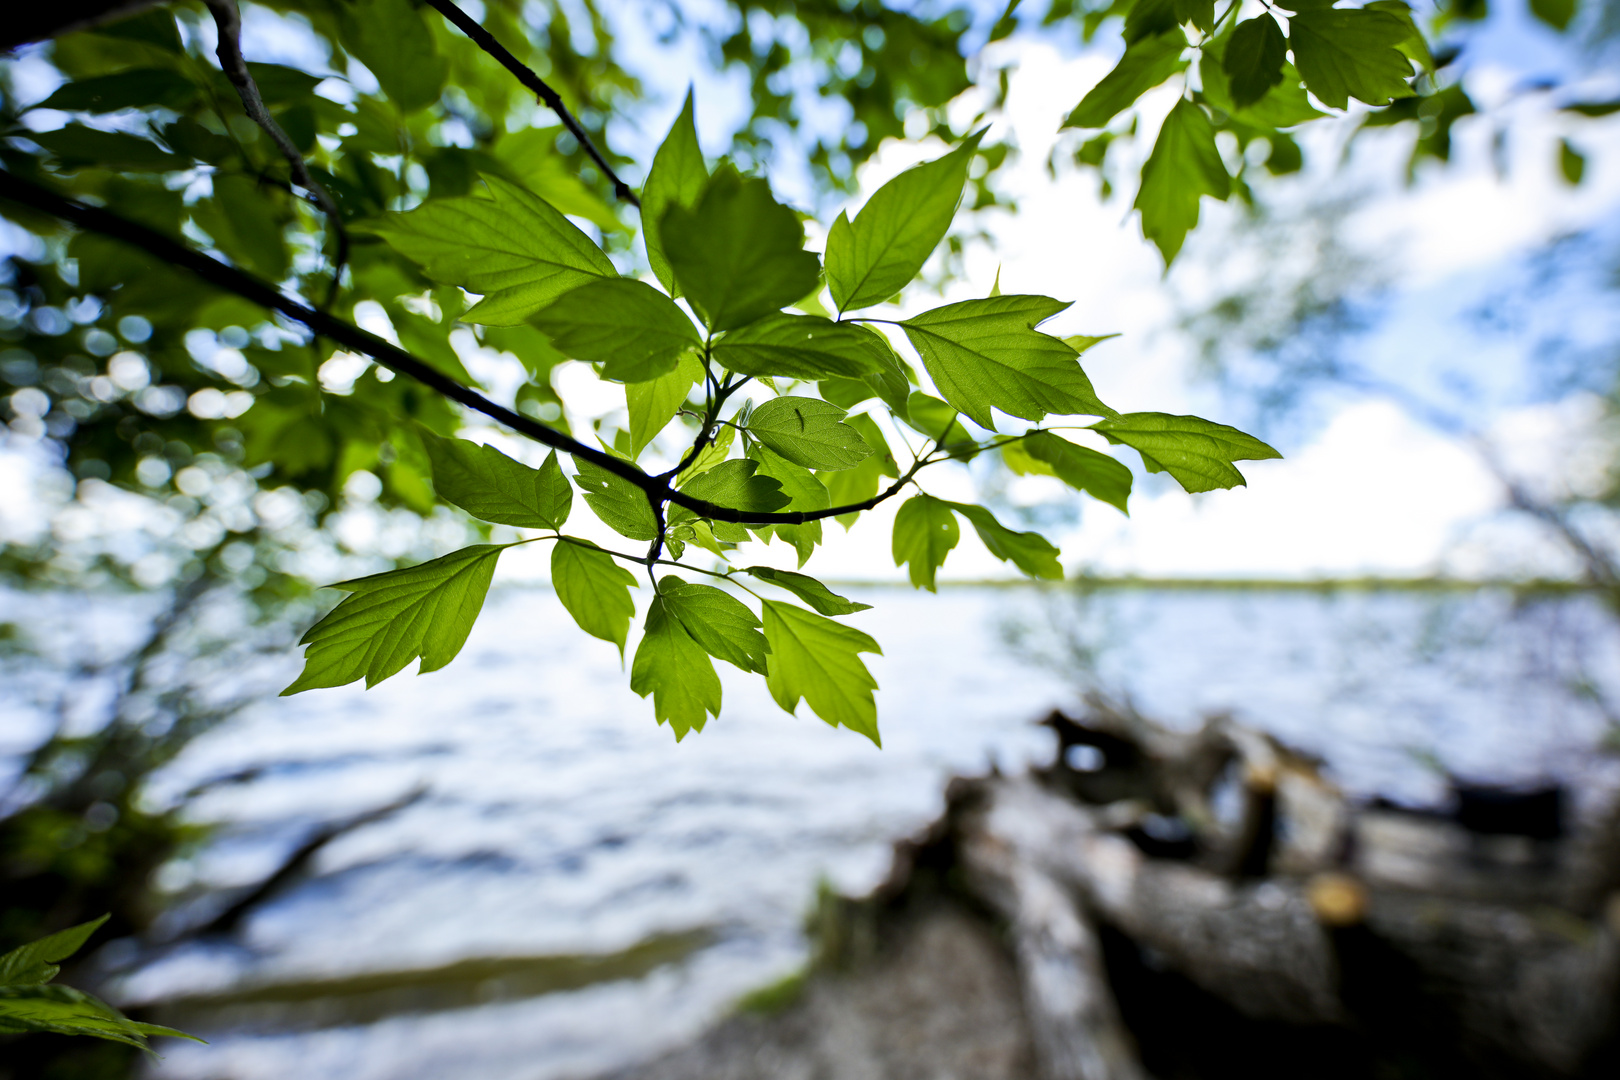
(228, 19)
(525, 75)
(393, 357)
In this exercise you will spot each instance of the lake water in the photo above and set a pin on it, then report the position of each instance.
(565, 843)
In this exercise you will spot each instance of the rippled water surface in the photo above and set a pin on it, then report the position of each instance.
(573, 890)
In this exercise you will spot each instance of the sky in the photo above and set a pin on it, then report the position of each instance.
(1367, 487)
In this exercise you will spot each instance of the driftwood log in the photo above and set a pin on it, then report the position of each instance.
(1207, 904)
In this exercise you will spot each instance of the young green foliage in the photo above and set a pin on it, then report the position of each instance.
(390, 619)
(622, 506)
(634, 331)
(676, 671)
(817, 660)
(873, 257)
(1082, 468)
(653, 404)
(513, 247)
(28, 1004)
(492, 487)
(1184, 167)
(677, 178)
(925, 531)
(808, 589)
(986, 354)
(737, 254)
(1146, 64)
(808, 432)
(594, 589)
(1197, 452)
(801, 347)
(718, 621)
(1345, 53)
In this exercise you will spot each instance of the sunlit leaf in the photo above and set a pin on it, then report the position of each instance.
(718, 621)
(925, 531)
(808, 432)
(808, 589)
(1184, 167)
(1146, 64)
(622, 506)
(818, 660)
(390, 619)
(677, 178)
(634, 331)
(1345, 53)
(491, 486)
(1198, 453)
(676, 671)
(594, 589)
(877, 254)
(653, 404)
(801, 347)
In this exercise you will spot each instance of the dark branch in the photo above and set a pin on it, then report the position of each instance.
(229, 21)
(484, 40)
(392, 356)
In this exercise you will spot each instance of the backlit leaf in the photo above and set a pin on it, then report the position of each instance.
(61, 1010)
(801, 347)
(877, 254)
(392, 40)
(36, 962)
(634, 331)
(1030, 552)
(808, 589)
(513, 247)
(1345, 53)
(818, 660)
(1184, 167)
(491, 486)
(622, 506)
(925, 531)
(986, 354)
(1254, 59)
(738, 254)
(808, 432)
(676, 178)
(594, 589)
(718, 621)
(653, 404)
(390, 619)
(676, 671)
(1146, 64)
(733, 484)
(1197, 452)
(1081, 467)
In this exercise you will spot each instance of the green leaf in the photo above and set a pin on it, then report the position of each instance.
(1197, 452)
(75, 145)
(37, 961)
(718, 621)
(733, 484)
(1183, 167)
(801, 347)
(808, 589)
(622, 506)
(1254, 59)
(1555, 13)
(986, 354)
(676, 671)
(1351, 52)
(653, 404)
(818, 660)
(712, 454)
(513, 247)
(1285, 105)
(1146, 64)
(391, 39)
(873, 257)
(634, 331)
(925, 531)
(1030, 552)
(594, 589)
(805, 492)
(492, 487)
(390, 619)
(61, 1010)
(738, 254)
(129, 89)
(1081, 343)
(1081, 467)
(846, 487)
(1415, 48)
(677, 178)
(809, 432)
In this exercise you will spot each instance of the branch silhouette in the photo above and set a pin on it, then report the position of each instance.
(352, 337)
(525, 75)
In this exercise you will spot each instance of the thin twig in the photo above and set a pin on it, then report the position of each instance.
(392, 356)
(525, 75)
(229, 21)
